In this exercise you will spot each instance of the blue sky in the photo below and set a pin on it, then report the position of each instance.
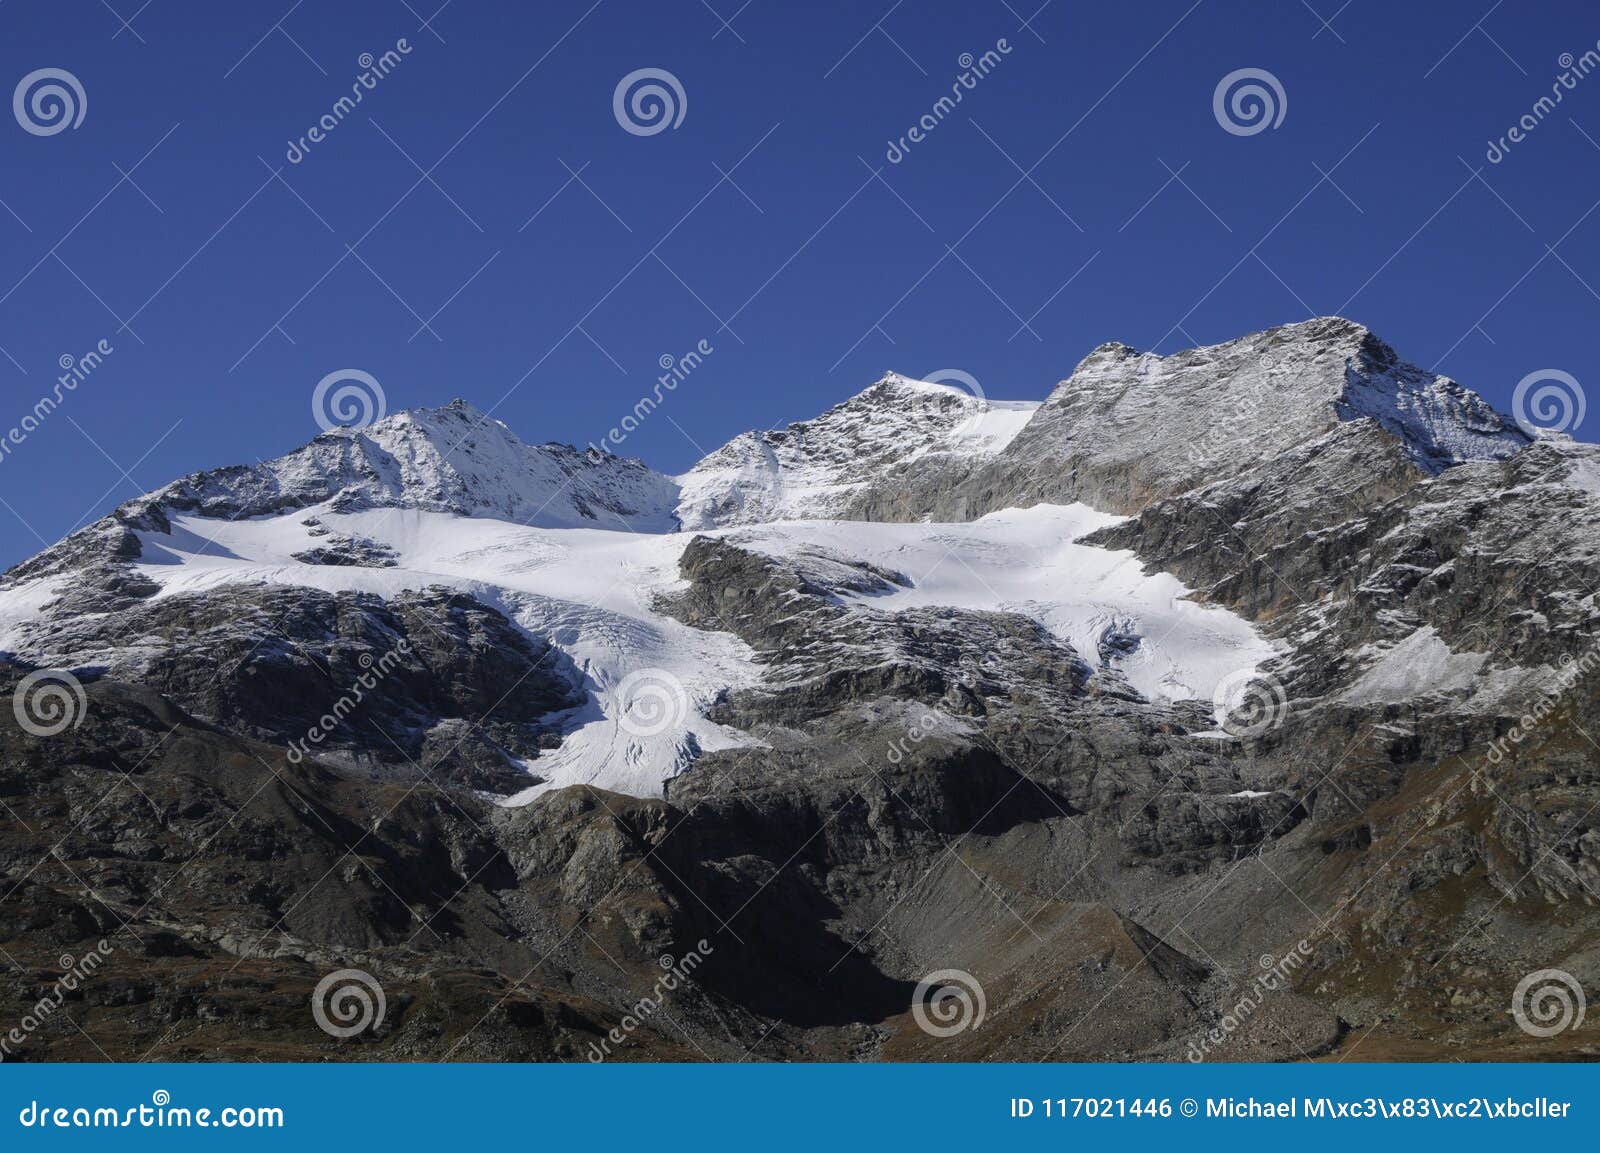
(556, 257)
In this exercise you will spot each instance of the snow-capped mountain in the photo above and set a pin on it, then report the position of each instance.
(819, 469)
(1179, 415)
(1281, 613)
(452, 460)
(1129, 427)
(582, 551)
(578, 551)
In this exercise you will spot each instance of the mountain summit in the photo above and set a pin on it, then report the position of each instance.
(1047, 693)
(453, 459)
(822, 467)
(1173, 419)
(1128, 427)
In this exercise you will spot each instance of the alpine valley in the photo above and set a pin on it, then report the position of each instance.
(1230, 704)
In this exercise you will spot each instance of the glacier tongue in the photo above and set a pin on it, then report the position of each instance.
(650, 680)
(588, 591)
(1029, 561)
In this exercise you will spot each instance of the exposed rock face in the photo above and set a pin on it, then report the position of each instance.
(1398, 809)
(1127, 428)
(452, 459)
(828, 466)
(429, 678)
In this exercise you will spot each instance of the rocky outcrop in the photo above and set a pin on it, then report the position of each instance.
(851, 455)
(1394, 816)
(1127, 429)
(429, 678)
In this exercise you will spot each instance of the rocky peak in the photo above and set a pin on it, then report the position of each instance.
(1128, 428)
(449, 459)
(1106, 356)
(822, 467)
(452, 459)
(1179, 421)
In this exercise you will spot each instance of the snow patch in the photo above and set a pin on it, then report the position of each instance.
(1419, 665)
(588, 591)
(591, 593)
(1028, 561)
